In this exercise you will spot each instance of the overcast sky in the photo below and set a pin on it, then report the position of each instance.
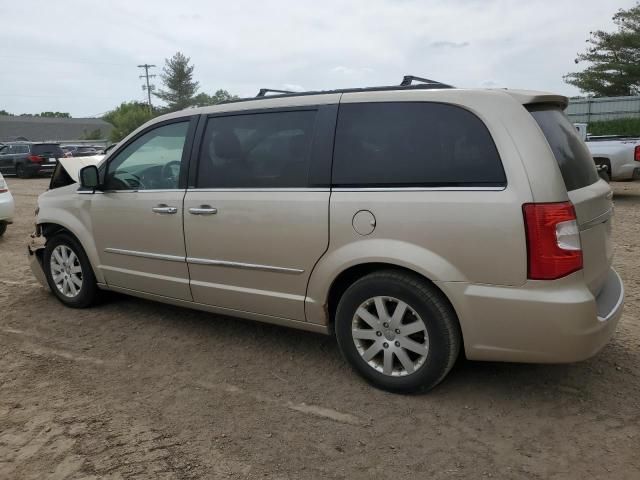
(81, 56)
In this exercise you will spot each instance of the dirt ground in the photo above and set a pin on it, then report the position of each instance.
(134, 389)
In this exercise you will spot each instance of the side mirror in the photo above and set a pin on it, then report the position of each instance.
(89, 177)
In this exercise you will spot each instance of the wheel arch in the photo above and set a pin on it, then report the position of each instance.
(354, 272)
(50, 228)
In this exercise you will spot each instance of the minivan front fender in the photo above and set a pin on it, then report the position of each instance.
(73, 224)
(371, 251)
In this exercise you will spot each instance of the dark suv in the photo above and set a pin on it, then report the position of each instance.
(26, 159)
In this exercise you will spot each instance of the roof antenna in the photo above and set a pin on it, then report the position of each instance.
(263, 91)
(408, 80)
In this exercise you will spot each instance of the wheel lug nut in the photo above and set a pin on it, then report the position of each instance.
(385, 345)
(397, 344)
(398, 331)
(385, 325)
(379, 334)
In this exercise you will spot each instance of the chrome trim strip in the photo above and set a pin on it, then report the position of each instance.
(154, 256)
(247, 266)
(597, 221)
(616, 308)
(88, 192)
(258, 190)
(420, 189)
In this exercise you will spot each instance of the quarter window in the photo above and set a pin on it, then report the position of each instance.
(263, 150)
(413, 144)
(151, 161)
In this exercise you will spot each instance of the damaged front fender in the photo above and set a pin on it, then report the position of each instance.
(35, 248)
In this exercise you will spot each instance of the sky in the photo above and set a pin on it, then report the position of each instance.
(81, 56)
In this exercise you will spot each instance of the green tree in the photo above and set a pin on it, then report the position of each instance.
(126, 118)
(5, 113)
(54, 115)
(92, 135)
(613, 57)
(204, 99)
(180, 88)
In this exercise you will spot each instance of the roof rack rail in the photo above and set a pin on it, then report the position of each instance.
(408, 80)
(263, 91)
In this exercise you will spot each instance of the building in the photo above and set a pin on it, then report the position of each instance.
(43, 129)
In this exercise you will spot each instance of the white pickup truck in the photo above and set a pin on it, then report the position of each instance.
(618, 156)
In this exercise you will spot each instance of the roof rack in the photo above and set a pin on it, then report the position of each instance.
(263, 92)
(408, 80)
(406, 84)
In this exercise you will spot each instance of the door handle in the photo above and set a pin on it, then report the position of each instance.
(203, 210)
(165, 209)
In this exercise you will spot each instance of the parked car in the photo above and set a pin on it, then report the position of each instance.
(80, 150)
(619, 156)
(7, 206)
(26, 159)
(411, 222)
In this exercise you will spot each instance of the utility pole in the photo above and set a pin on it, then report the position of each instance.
(148, 87)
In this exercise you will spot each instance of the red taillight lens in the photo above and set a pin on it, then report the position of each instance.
(553, 240)
(636, 154)
(36, 158)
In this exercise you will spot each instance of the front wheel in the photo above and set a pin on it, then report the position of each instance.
(69, 272)
(397, 331)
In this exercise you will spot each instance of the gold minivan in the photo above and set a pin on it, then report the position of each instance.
(411, 222)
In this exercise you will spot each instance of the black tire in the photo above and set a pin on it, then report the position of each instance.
(88, 291)
(443, 330)
(3, 228)
(21, 171)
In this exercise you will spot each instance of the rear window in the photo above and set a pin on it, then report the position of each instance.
(574, 159)
(47, 150)
(398, 144)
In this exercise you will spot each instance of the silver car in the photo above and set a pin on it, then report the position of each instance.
(411, 222)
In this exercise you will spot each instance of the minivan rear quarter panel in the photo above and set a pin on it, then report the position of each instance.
(452, 234)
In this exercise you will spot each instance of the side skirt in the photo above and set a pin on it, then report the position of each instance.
(311, 327)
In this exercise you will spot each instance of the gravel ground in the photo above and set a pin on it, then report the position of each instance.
(134, 389)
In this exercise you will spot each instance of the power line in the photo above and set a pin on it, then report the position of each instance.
(148, 87)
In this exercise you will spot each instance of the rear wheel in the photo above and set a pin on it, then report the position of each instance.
(69, 272)
(3, 228)
(397, 331)
(21, 171)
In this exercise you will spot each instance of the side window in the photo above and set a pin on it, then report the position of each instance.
(413, 144)
(262, 150)
(151, 161)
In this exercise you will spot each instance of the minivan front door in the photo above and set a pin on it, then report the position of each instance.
(256, 223)
(137, 219)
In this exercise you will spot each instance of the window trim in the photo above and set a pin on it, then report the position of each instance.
(184, 161)
(422, 186)
(320, 159)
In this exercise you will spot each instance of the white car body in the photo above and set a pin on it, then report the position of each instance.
(7, 205)
(619, 155)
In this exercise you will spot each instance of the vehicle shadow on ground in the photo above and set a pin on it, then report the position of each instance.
(318, 356)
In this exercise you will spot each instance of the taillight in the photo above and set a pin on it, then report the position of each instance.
(553, 240)
(36, 158)
(636, 154)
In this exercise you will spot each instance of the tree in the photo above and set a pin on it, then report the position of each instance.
(614, 58)
(92, 135)
(5, 113)
(180, 88)
(126, 118)
(203, 99)
(54, 115)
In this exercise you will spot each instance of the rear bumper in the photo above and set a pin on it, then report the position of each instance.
(627, 171)
(541, 322)
(39, 168)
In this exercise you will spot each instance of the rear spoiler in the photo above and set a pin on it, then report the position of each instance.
(532, 97)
